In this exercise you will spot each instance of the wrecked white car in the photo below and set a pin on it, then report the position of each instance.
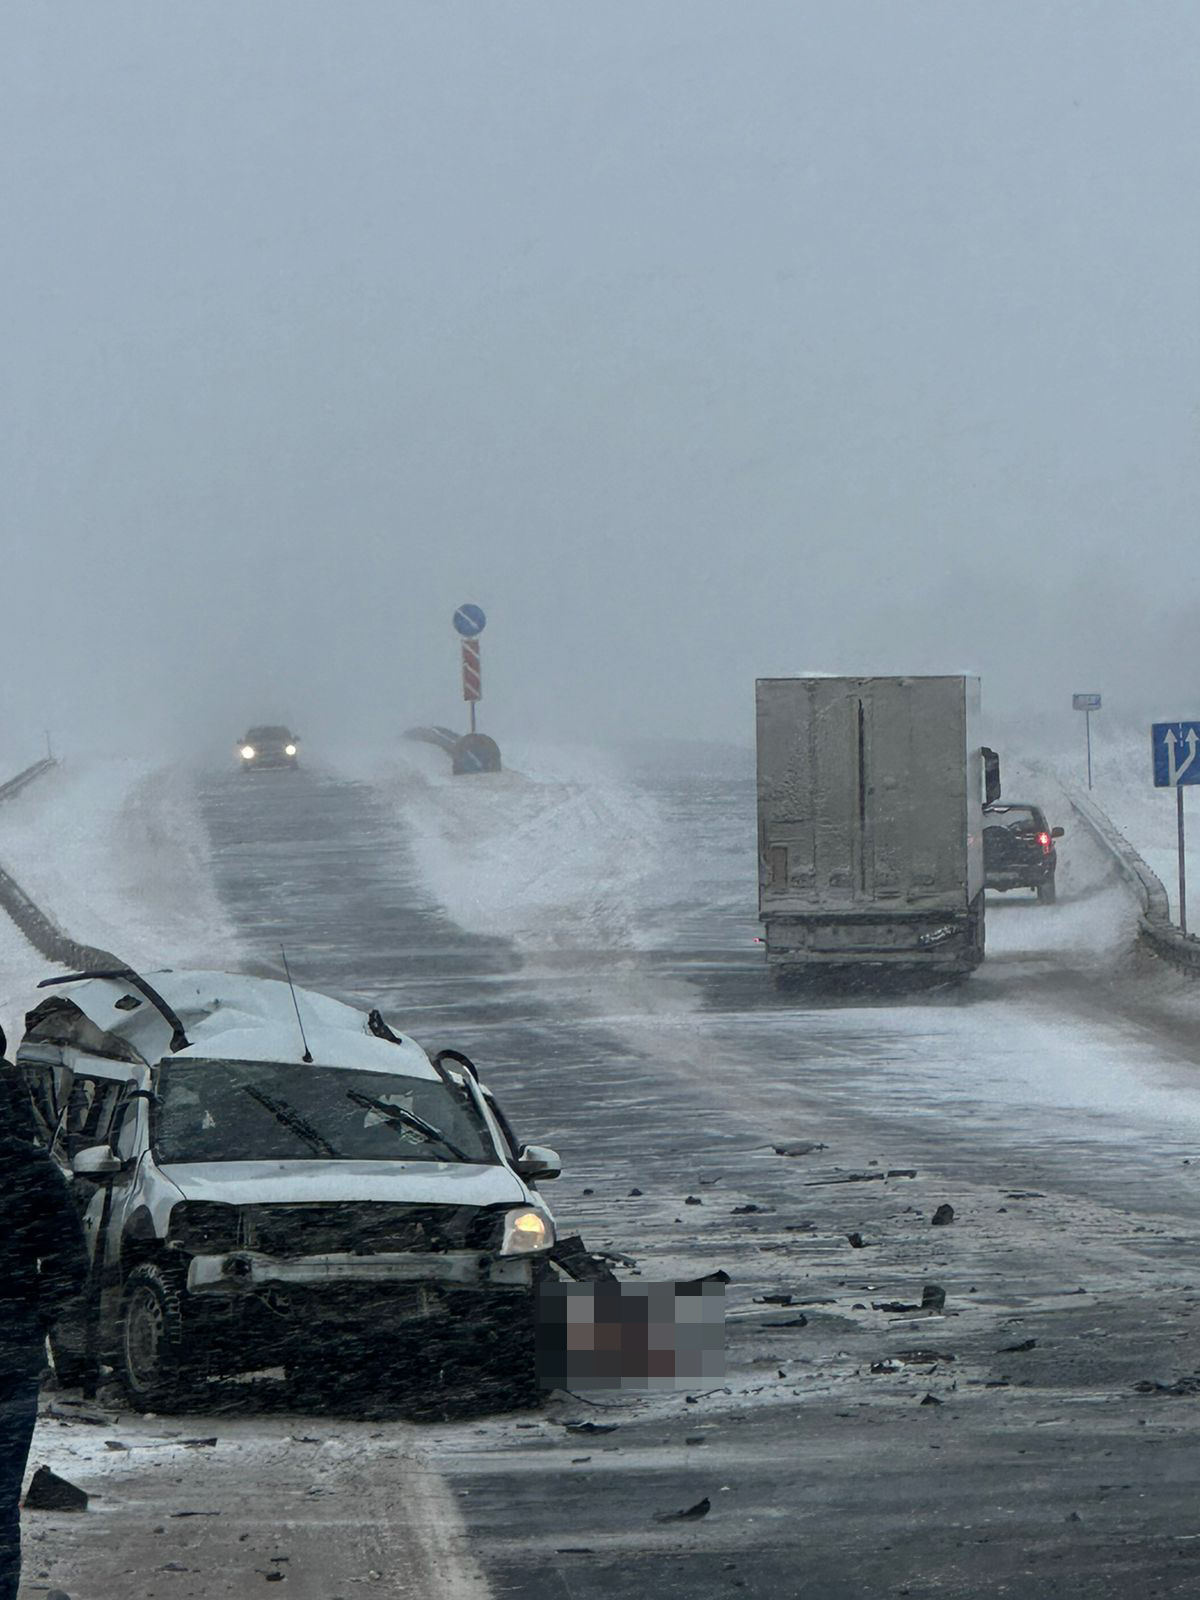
(269, 1182)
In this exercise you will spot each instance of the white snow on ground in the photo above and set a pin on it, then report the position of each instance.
(554, 853)
(116, 852)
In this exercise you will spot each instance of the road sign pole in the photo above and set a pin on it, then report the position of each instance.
(1088, 720)
(473, 729)
(1182, 861)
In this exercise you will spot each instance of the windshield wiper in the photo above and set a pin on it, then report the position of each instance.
(291, 1118)
(407, 1119)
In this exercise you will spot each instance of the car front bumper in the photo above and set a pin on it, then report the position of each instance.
(240, 1272)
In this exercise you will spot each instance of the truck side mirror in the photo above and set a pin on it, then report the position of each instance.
(991, 776)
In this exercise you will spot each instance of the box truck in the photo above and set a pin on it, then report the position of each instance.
(870, 797)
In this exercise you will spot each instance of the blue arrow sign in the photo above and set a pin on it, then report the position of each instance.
(1176, 747)
(470, 621)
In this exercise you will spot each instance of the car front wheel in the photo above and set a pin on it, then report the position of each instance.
(155, 1362)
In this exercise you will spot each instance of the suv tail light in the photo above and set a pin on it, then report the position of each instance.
(1046, 843)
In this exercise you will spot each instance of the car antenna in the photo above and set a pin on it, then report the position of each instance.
(307, 1056)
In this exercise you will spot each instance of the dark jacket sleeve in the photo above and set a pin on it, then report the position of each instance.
(45, 1242)
(61, 1247)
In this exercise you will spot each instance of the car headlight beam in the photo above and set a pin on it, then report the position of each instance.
(248, 752)
(289, 749)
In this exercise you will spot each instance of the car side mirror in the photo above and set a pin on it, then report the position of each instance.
(1057, 833)
(538, 1161)
(991, 775)
(97, 1161)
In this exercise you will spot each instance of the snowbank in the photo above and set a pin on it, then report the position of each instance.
(117, 854)
(553, 853)
(1124, 788)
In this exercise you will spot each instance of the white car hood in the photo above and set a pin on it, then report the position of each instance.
(264, 1183)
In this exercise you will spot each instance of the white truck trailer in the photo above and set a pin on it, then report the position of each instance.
(870, 794)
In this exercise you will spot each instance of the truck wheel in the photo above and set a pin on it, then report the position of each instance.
(155, 1363)
(1047, 892)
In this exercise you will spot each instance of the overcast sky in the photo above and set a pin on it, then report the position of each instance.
(694, 340)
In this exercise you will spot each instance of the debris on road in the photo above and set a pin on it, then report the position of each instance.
(693, 1200)
(931, 1400)
(1025, 1194)
(901, 1172)
(797, 1149)
(942, 1217)
(578, 1262)
(845, 1177)
(748, 1210)
(792, 1322)
(857, 1241)
(933, 1297)
(1013, 1349)
(48, 1492)
(591, 1427)
(692, 1514)
(922, 1358)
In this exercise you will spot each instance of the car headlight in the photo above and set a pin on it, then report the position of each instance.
(205, 1225)
(526, 1231)
(248, 752)
(289, 749)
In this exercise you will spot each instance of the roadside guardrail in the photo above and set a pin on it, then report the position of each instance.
(43, 933)
(1156, 931)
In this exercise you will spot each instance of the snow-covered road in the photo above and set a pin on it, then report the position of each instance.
(584, 926)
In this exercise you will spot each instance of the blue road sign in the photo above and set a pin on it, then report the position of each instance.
(1176, 746)
(469, 621)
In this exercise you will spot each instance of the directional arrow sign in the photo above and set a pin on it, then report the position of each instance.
(1176, 746)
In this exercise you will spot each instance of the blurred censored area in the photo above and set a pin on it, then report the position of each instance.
(630, 1335)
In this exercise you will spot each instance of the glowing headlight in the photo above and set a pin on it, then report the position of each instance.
(289, 749)
(525, 1231)
(247, 752)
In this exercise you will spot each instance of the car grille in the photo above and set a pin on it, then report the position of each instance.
(371, 1228)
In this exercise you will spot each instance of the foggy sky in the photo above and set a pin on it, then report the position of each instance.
(693, 340)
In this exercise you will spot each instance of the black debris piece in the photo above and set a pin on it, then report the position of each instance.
(773, 1299)
(692, 1514)
(695, 1438)
(931, 1400)
(901, 1172)
(846, 1177)
(693, 1200)
(798, 1149)
(792, 1322)
(896, 1306)
(889, 1365)
(199, 1444)
(922, 1358)
(942, 1217)
(1025, 1194)
(1012, 1349)
(748, 1210)
(1185, 1385)
(591, 1427)
(933, 1297)
(574, 1550)
(719, 1276)
(634, 1194)
(857, 1241)
(587, 1191)
(195, 1513)
(577, 1261)
(48, 1492)
(115, 1444)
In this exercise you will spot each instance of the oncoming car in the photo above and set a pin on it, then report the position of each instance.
(268, 746)
(251, 1201)
(1018, 849)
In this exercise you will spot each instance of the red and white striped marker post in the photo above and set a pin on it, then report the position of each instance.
(472, 676)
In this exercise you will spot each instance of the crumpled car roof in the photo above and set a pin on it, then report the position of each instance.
(233, 1017)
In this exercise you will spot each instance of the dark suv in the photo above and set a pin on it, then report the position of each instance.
(268, 747)
(1018, 849)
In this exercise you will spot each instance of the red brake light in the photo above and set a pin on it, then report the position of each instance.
(1045, 841)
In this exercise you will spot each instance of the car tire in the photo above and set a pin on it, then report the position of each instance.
(1047, 892)
(156, 1366)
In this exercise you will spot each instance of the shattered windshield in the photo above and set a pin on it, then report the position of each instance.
(279, 1111)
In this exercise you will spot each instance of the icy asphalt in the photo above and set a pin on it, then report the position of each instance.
(1052, 1102)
